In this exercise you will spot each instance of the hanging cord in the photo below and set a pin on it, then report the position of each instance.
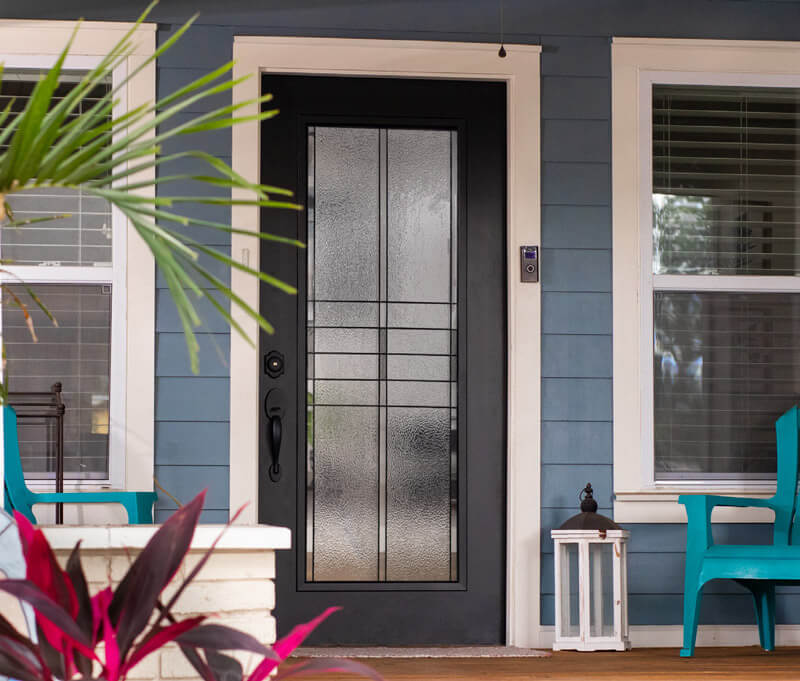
(502, 51)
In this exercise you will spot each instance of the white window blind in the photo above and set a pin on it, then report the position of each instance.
(725, 206)
(74, 255)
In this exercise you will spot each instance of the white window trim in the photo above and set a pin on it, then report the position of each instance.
(637, 63)
(420, 59)
(36, 44)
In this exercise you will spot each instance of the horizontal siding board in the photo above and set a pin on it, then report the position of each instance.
(587, 442)
(215, 267)
(576, 56)
(172, 355)
(576, 312)
(192, 399)
(188, 443)
(576, 399)
(202, 47)
(576, 140)
(576, 270)
(576, 184)
(186, 482)
(576, 226)
(562, 484)
(568, 97)
(172, 79)
(576, 356)
(167, 319)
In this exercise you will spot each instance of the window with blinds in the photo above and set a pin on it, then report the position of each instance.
(73, 278)
(726, 177)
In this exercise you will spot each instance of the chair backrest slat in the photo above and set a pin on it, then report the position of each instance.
(786, 432)
(14, 477)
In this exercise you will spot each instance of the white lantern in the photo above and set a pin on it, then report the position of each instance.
(591, 580)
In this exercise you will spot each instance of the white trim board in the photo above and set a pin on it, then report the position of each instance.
(415, 59)
(708, 635)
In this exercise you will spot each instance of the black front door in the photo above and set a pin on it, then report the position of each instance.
(385, 379)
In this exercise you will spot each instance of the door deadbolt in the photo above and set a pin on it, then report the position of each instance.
(274, 364)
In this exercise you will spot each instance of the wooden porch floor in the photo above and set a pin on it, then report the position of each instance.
(709, 664)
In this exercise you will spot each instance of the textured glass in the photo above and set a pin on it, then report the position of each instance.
(77, 353)
(346, 392)
(725, 180)
(391, 366)
(346, 214)
(726, 366)
(418, 495)
(345, 486)
(570, 590)
(601, 590)
(419, 205)
(81, 238)
(418, 367)
(427, 393)
(419, 342)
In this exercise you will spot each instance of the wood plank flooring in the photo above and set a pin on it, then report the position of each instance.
(710, 664)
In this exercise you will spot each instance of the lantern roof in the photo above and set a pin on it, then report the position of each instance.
(589, 518)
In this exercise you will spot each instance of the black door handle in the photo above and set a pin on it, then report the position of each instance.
(273, 405)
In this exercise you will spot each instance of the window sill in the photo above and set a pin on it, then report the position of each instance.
(661, 505)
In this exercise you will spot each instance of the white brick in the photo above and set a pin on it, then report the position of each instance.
(225, 565)
(217, 597)
(147, 669)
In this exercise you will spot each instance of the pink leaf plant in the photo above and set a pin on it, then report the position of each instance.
(104, 636)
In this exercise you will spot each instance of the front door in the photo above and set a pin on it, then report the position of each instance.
(383, 398)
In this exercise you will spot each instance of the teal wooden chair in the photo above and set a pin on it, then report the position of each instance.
(757, 568)
(17, 496)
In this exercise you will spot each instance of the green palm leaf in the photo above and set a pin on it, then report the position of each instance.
(51, 143)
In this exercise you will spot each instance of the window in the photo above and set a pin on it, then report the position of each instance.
(70, 263)
(93, 273)
(706, 257)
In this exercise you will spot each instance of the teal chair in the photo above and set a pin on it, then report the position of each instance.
(757, 568)
(17, 496)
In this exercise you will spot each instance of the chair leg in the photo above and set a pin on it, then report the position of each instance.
(692, 596)
(140, 510)
(766, 616)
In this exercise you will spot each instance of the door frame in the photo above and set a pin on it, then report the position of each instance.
(254, 55)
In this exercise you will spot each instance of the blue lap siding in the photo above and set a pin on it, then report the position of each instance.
(192, 410)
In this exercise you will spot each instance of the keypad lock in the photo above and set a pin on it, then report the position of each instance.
(529, 263)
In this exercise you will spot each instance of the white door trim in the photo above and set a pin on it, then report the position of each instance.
(414, 59)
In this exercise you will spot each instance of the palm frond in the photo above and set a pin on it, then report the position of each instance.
(53, 143)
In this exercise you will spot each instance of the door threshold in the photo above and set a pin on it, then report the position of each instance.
(418, 651)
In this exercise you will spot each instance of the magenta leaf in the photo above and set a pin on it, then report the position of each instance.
(296, 636)
(136, 596)
(51, 611)
(224, 667)
(74, 571)
(329, 664)
(158, 638)
(220, 637)
(197, 567)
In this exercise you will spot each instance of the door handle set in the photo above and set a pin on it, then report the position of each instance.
(273, 406)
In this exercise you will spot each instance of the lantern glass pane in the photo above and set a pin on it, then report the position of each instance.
(601, 590)
(570, 591)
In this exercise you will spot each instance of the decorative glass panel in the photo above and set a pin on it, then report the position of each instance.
(725, 180)
(77, 353)
(727, 365)
(382, 494)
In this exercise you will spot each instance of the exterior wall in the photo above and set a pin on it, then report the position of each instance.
(191, 412)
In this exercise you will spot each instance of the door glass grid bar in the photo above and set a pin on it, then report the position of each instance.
(382, 455)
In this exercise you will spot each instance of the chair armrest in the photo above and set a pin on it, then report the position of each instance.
(698, 514)
(110, 497)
